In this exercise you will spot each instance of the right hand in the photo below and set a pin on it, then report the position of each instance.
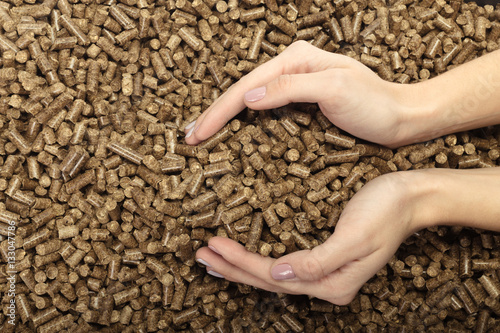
(372, 226)
(352, 96)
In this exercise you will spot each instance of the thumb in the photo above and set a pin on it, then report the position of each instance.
(315, 264)
(286, 89)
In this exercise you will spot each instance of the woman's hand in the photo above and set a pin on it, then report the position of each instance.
(371, 228)
(359, 102)
(352, 96)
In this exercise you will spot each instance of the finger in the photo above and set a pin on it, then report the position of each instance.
(300, 57)
(237, 264)
(342, 285)
(194, 124)
(237, 254)
(256, 265)
(240, 265)
(231, 102)
(288, 88)
(221, 267)
(343, 247)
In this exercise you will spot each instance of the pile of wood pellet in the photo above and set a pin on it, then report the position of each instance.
(103, 205)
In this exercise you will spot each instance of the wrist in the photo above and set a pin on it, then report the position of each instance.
(454, 197)
(416, 112)
(422, 191)
(427, 192)
(461, 99)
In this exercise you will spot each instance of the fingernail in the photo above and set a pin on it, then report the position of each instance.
(256, 94)
(214, 273)
(282, 272)
(203, 262)
(190, 125)
(190, 132)
(214, 249)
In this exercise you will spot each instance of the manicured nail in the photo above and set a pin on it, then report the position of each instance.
(214, 249)
(203, 262)
(255, 95)
(190, 125)
(282, 272)
(190, 132)
(214, 273)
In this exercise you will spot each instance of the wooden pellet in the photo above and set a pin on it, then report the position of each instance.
(110, 203)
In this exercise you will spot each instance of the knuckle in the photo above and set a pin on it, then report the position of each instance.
(284, 82)
(313, 269)
(298, 47)
(337, 80)
(303, 50)
(337, 76)
(365, 237)
(300, 44)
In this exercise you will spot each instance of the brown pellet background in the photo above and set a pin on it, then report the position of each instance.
(110, 204)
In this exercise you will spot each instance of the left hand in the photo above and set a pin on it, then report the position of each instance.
(371, 228)
(348, 93)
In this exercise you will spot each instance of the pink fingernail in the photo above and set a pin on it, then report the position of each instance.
(282, 272)
(203, 262)
(214, 273)
(190, 132)
(214, 249)
(255, 95)
(190, 125)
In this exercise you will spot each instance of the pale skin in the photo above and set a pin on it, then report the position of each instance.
(388, 209)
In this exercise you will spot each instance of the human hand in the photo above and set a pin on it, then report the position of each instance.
(352, 96)
(371, 228)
